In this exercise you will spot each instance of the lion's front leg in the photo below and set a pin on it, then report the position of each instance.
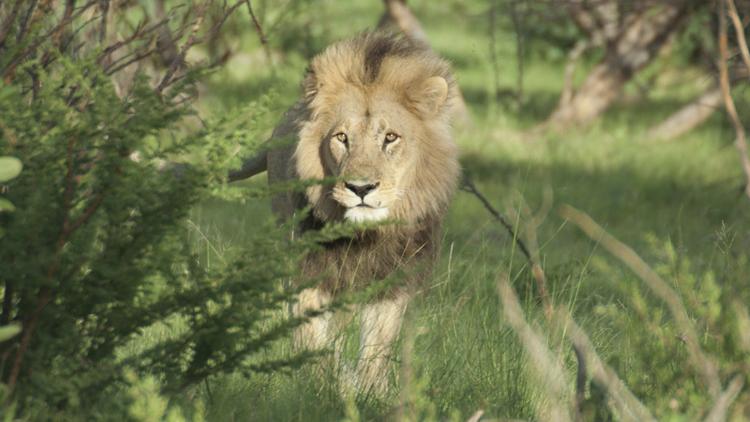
(314, 334)
(380, 326)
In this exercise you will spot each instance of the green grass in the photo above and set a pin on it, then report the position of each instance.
(465, 358)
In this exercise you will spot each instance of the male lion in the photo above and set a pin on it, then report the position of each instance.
(374, 117)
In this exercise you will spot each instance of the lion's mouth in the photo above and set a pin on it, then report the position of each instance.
(365, 213)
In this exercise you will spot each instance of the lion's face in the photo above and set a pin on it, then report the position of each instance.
(371, 150)
(378, 124)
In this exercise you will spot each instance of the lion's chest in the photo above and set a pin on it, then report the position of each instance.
(398, 261)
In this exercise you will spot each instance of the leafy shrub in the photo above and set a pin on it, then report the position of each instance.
(96, 252)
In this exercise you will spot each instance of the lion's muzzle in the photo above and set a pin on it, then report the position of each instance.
(361, 189)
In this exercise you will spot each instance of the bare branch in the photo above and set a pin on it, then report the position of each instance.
(468, 186)
(570, 67)
(688, 117)
(7, 23)
(548, 370)
(739, 30)
(25, 20)
(398, 13)
(740, 141)
(476, 417)
(743, 325)
(624, 401)
(726, 399)
(705, 366)
(261, 35)
(531, 256)
(179, 60)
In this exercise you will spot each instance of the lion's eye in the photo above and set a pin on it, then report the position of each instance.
(341, 136)
(391, 137)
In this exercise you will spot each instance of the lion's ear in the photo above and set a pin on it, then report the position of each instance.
(431, 94)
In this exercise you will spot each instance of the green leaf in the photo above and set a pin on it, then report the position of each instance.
(9, 331)
(6, 205)
(10, 167)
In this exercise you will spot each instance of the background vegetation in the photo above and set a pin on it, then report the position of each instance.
(165, 302)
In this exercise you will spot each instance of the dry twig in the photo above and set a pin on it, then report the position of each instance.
(628, 407)
(469, 186)
(548, 369)
(739, 29)
(740, 141)
(536, 269)
(261, 35)
(726, 399)
(705, 366)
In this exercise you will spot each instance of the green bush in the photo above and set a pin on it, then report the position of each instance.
(97, 250)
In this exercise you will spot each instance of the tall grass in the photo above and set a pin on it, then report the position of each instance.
(463, 356)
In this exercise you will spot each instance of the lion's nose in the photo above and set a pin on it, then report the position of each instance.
(361, 189)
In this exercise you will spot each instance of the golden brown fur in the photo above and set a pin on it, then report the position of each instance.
(375, 118)
(367, 86)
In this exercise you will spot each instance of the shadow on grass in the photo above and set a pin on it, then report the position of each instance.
(630, 202)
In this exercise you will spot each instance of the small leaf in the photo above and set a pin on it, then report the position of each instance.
(10, 167)
(6, 205)
(9, 331)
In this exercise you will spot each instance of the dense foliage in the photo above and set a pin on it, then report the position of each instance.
(137, 285)
(97, 249)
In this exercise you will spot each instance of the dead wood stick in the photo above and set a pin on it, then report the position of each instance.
(628, 407)
(726, 399)
(706, 367)
(739, 29)
(546, 368)
(261, 35)
(740, 141)
(536, 269)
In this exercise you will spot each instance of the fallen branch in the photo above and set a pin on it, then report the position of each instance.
(726, 399)
(628, 407)
(548, 370)
(476, 416)
(688, 117)
(705, 366)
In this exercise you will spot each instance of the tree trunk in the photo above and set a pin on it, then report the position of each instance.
(690, 116)
(696, 112)
(642, 36)
(398, 15)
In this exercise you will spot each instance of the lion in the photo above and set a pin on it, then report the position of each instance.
(375, 117)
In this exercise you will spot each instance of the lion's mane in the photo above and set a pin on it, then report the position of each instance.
(369, 62)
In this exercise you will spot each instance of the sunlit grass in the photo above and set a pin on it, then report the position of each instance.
(465, 356)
